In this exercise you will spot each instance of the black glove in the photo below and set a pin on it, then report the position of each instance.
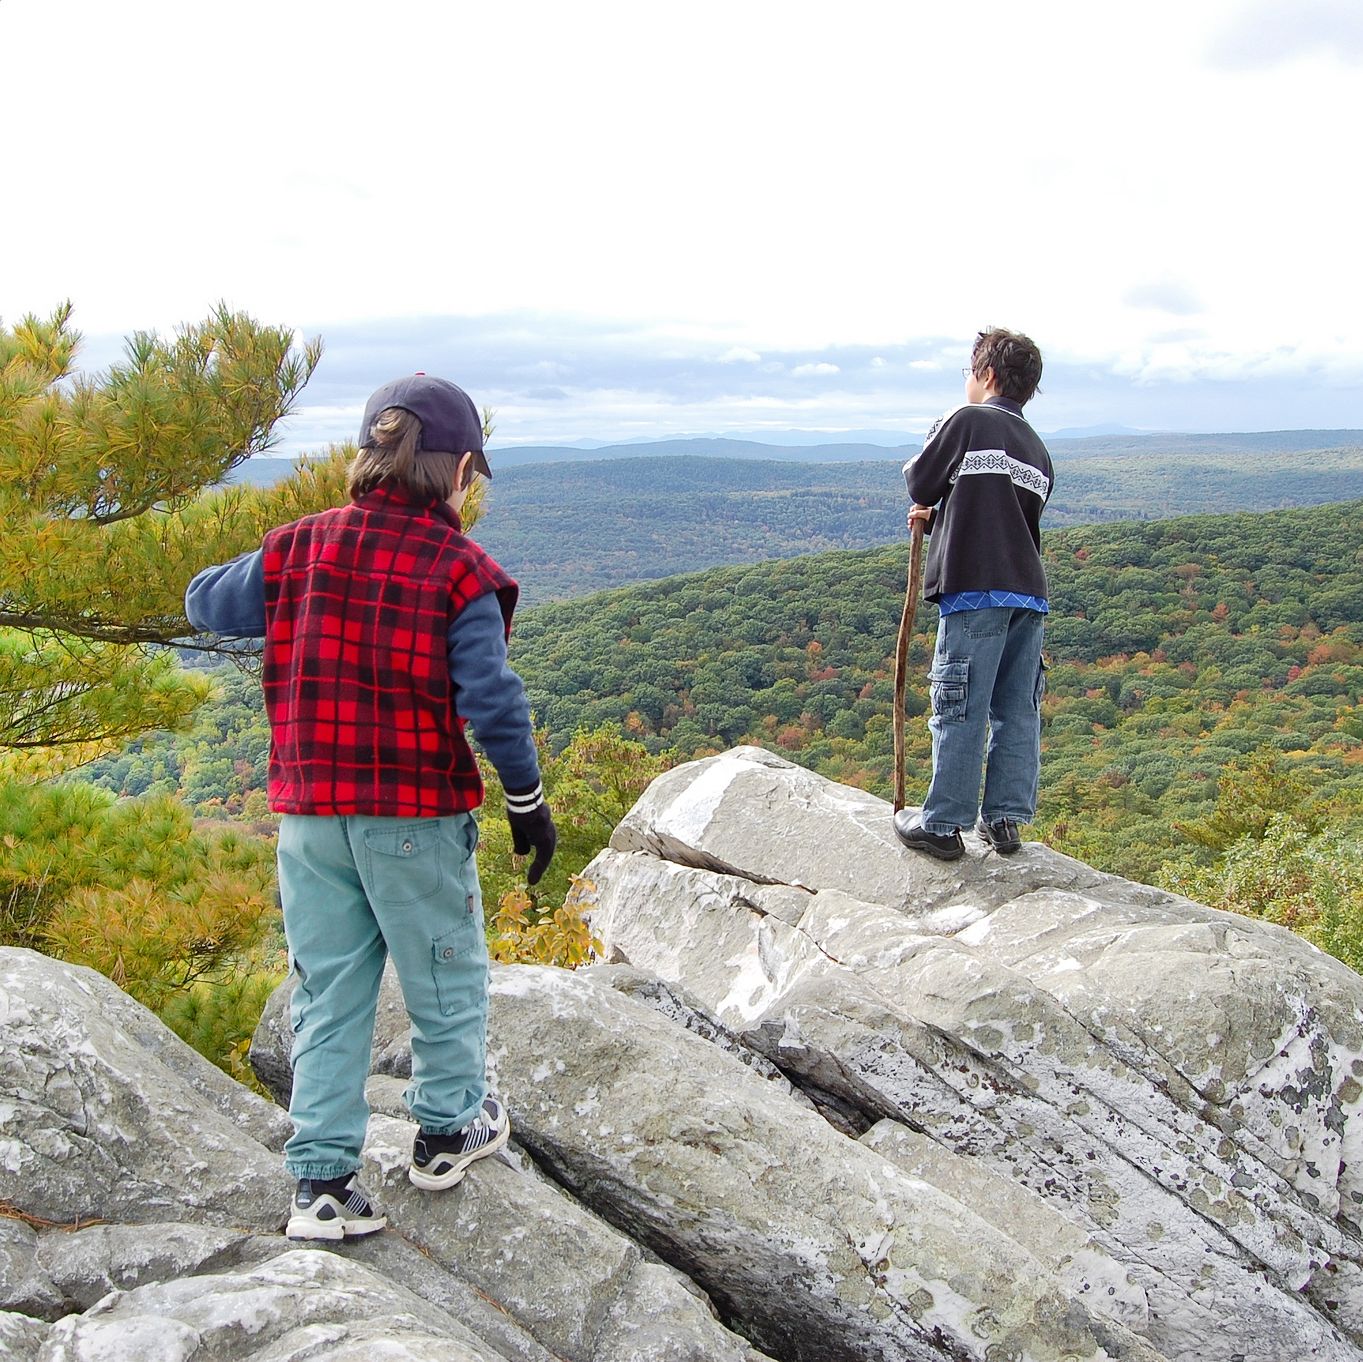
(532, 827)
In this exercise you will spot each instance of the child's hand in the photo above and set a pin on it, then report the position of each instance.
(532, 828)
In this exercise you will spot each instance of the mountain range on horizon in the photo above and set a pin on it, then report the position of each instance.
(1090, 442)
(895, 439)
(1111, 440)
(565, 527)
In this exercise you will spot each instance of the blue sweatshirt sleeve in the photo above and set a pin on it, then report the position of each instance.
(229, 599)
(490, 695)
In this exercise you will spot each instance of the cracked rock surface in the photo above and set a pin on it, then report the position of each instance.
(831, 1101)
(1163, 1095)
(106, 1114)
(709, 1187)
(142, 1206)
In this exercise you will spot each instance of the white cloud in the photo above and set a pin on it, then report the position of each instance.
(807, 370)
(1166, 295)
(1183, 173)
(639, 384)
(1267, 33)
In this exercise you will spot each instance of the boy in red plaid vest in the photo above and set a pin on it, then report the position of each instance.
(385, 631)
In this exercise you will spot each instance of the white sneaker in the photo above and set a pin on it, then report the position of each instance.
(332, 1209)
(439, 1161)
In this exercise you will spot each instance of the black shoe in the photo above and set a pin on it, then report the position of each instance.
(439, 1161)
(331, 1209)
(1002, 835)
(912, 833)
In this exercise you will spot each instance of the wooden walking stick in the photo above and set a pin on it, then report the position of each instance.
(901, 655)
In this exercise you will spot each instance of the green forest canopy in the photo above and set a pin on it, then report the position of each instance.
(567, 529)
(1178, 647)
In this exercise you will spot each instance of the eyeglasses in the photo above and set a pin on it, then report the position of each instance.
(967, 372)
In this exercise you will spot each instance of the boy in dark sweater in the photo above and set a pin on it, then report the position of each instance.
(385, 631)
(979, 487)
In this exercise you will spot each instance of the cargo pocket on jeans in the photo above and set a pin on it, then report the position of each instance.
(1042, 667)
(452, 964)
(948, 685)
(300, 998)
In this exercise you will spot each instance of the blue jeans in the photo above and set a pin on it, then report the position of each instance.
(356, 890)
(987, 678)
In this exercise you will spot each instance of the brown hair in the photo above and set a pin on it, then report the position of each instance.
(393, 454)
(1013, 357)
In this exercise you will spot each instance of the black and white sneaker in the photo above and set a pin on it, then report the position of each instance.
(332, 1209)
(439, 1161)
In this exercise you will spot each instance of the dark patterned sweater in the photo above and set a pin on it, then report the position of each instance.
(987, 473)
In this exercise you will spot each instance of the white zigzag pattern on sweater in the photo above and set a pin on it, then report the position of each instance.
(997, 461)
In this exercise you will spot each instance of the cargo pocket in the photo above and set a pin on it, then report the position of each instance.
(471, 833)
(458, 962)
(300, 999)
(1042, 667)
(948, 684)
(402, 864)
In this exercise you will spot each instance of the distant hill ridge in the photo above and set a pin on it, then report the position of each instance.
(563, 529)
(574, 526)
(516, 456)
(1272, 441)
(1249, 442)
(264, 470)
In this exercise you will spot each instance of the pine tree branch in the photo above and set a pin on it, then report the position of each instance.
(176, 634)
(84, 626)
(101, 476)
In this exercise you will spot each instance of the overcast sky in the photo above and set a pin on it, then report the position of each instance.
(626, 220)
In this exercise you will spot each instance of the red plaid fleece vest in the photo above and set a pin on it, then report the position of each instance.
(358, 603)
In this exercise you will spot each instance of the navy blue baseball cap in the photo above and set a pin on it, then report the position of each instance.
(450, 423)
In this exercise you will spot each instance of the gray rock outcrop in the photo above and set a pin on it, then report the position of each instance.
(832, 1101)
(142, 1194)
(1178, 1086)
(106, 1114)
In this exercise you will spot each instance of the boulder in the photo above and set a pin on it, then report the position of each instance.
(106, 1114)
(1179, 1084)
(808, 1243)
(111, 1123)
(811, 1244)
(86, 1265)
(303, 1303)
(761, 818)
(24, 1287)
(1059, 1244)
(21, 1338)
(831, 1101)
(393, 1256)
(582, 1289)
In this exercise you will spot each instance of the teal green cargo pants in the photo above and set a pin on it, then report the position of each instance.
(356, 890)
